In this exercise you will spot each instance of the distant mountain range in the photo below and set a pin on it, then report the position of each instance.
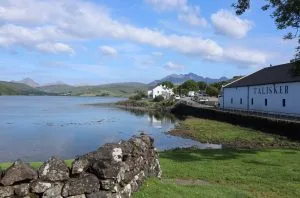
(28, 86)
(181, 78)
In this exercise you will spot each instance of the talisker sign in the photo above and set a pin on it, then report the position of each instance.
(268, 90)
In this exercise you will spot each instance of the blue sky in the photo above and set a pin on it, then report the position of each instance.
(96, 41)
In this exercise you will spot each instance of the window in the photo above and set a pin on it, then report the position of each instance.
(251, 101)
(241, 101)
(283, 102)
(231, 100)
(266, 102)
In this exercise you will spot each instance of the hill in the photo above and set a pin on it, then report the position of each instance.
(28, 81)
(181, 78)
(13, 88)
(114, 89)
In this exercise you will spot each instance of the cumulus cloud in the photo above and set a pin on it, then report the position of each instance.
(55, 48)
(174, 66)
(228, 24)
(244, 57)
(64, 21)
(108, 51)
(187, 14)
(163, 5)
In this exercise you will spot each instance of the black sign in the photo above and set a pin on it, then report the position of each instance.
(268, 90)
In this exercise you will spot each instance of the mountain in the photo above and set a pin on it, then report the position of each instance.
(113, 89)
(13, 88)
(28, 81)
(181, 78)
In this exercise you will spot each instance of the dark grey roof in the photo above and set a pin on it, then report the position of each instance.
(269, 75)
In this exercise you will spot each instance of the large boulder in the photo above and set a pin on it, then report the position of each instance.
(109, 152)
(103, 194)
(22, 189)
(78, 196)
(87, 183)
(54, 191)
(55, 169)
(6, 191)
(18, 172)
(40, 186)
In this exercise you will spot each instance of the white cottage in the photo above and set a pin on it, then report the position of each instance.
(160, 90)
(274, 90)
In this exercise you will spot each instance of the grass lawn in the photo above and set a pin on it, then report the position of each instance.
(226, 173)
(210, 131)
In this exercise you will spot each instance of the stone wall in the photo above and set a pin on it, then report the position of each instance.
(115, 170)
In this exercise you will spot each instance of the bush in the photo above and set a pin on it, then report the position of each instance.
(138, 96)
(158, 99)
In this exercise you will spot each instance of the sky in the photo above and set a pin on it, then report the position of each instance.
(85, 42)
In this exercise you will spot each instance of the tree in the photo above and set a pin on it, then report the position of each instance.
(212, 91)
(189, 85)
(202, 85)
(167, 84)
(286, 14)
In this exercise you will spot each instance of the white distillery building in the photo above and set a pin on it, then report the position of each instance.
(273, 90)
(160, 90)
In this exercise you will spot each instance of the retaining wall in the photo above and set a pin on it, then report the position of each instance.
(115, 170)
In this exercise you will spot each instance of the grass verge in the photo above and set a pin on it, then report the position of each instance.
(229, 135)
(34, 165)
(226, 173)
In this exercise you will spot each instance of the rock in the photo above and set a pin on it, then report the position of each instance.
(54, 191)
(108, 170)
(103, 194)
(22, 189)
(88, 183)
(108, 184)
(78, 196)
(109, 152)
(54, 169)
(127, 191)
(6, 191)
(39, 186)
(19, 171)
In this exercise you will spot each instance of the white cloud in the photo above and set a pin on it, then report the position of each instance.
(163, 5)
(244, 57)
(64, 21)
(108, 51)
(55, 48)
(191, 16)
(228, 24)
(174, 66)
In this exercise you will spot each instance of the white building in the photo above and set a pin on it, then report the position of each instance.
(271, 90)
(160, 90)
(191, 93)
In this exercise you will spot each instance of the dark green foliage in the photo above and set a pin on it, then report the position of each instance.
(138, 96)
(296, 69)
(189, 85)
(212, 91)
(202, 85)
(286, 14)
(167, 84)
(158, 99)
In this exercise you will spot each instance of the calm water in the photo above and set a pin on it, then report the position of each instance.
(33, 128)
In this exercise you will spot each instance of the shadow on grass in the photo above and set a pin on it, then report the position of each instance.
(260, 163)
(192, 154)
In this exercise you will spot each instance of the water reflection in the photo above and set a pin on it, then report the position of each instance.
(41, 126)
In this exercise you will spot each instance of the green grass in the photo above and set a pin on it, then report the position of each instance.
(227, 173)
(230, 135)
(34, 165)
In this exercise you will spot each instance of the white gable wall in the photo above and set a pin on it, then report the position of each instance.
(274, 93)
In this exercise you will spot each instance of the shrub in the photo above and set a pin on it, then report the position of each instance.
(158, 99)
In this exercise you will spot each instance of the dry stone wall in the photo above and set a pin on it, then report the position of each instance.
(115, 170)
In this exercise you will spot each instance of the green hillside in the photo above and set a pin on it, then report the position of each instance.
(12, 88)
(115, 89)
